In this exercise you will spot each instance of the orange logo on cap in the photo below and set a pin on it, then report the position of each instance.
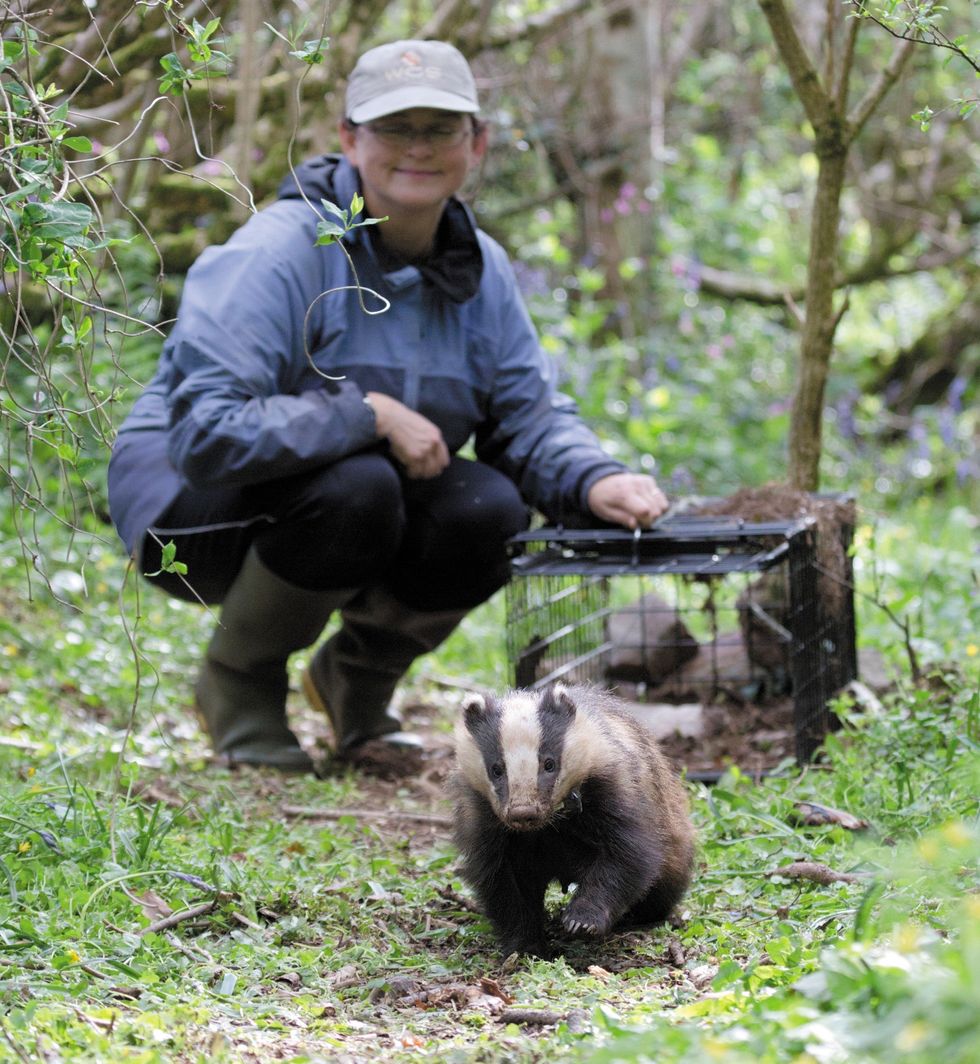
(412, 58)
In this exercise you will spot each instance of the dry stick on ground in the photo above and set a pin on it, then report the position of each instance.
(531, 1017)
(315, 813)
(459, 900)
(179, 918)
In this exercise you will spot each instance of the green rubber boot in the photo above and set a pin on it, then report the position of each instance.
(242, 687)
(353, 676)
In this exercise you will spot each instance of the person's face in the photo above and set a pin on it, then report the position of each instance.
(414, 159)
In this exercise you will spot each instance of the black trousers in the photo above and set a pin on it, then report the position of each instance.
(434, 544)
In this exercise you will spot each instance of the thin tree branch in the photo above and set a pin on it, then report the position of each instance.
(879, 89)
(938, 39)
(803, 74)
(538, 24)
(847, 64)
(730, 285)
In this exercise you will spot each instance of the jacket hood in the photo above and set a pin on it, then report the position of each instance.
(456, 264)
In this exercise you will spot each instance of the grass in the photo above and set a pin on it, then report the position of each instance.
(328, 932)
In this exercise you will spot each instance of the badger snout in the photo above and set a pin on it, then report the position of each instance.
(525, 817)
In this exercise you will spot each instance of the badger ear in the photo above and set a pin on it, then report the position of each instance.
(474, 709)
(561, 701)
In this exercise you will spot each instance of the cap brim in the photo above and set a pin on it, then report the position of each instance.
(404, 98)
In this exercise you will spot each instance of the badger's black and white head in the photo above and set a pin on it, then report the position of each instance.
(525, 752)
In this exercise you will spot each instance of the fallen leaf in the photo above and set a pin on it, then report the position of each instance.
(599, 972)
(492, 987)
(675, 953)
(812, 813)
(817, 873)
(702, 975)
(153, 906)
(345, 977)
(489, 1003)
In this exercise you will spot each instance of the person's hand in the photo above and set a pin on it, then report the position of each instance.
(414, 440)
(630, 499)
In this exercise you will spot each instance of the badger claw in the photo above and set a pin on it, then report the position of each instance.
(578, 927)
(585, 919)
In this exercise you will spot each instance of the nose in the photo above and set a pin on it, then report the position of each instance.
(420, 144)
(523, 817)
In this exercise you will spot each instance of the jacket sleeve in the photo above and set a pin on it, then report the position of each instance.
(242, 409)
(534, 434)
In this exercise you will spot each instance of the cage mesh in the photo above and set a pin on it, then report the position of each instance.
(703, 609)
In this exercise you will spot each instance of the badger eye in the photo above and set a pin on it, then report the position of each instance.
(497, 770)
(549, 764)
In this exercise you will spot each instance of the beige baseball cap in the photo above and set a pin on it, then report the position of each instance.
(394, 77)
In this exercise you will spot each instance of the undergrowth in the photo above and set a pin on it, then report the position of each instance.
(310, 923)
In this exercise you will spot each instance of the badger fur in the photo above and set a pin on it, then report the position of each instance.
(563, 785)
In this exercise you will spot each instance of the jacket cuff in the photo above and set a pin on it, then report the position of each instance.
(608, 469)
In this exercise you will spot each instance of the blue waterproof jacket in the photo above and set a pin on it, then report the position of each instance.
(264, 373)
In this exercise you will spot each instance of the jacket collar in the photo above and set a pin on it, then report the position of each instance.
(455, 267)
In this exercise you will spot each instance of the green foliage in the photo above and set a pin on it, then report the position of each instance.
(930, 24)
(92, 847)
(310, 52)
(880, 968)
(208, 62)
(330, 232)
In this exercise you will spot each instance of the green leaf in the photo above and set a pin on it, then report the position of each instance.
(77, 143)
(58, 221)
(332, 208)
(329, 232)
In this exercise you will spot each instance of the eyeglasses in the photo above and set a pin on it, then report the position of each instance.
(396, 136)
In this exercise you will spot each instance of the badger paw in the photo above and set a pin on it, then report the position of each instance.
(581, 917)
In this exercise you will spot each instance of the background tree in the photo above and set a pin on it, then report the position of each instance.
(653, 172)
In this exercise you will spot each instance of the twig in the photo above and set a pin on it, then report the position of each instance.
(459, 900)
(531, 1017)
(179, 918)
(245, 922)
(675, 953)
(315, 813)
(194, 953)
(937, 40)
(21, 1054)
(456, 685)
(21, 744)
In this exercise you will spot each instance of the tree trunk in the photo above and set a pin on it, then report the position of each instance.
(817, 342)
(824, 99)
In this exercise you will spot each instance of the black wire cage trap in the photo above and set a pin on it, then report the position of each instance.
(710, 610)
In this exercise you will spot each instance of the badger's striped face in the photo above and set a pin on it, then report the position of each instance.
(512, 751)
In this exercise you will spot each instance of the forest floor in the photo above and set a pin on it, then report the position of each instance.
(158, 907)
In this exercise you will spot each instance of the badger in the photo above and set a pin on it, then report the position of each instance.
(564, 785)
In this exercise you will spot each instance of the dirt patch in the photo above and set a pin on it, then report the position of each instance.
(834, 517)
(757, 738)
